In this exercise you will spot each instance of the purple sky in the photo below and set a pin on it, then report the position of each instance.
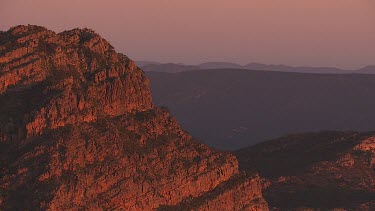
(338, 33)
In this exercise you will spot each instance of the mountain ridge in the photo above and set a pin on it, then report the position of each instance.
(161, 67)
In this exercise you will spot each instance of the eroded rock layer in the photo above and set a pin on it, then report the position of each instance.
(242, 192)
(78, 130)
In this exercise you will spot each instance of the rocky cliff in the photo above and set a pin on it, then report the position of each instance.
(316, 171)
(78, 130)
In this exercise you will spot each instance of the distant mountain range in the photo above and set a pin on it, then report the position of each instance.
(234, 108)
(219, 65)
(174, 68)
(169, 68)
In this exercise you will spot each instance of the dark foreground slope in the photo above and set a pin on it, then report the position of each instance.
(79, 131)
(317, 170)
(230, 109)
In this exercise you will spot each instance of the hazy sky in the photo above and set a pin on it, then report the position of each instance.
(337, 33)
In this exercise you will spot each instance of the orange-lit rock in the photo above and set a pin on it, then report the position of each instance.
(77, 73)
(239, 193)
(78, 130)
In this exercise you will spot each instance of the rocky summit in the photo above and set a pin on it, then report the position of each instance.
(79, 131)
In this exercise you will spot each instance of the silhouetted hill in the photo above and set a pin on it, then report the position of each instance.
(169, 68)
(285, 68)
(230, 109)
(219, 65)
(144, 63)
(366, 70)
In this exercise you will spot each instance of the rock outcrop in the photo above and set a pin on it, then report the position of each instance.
(78, 130)
(242, 192)
(316, 171)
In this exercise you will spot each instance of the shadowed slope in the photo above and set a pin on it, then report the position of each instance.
(231, 109)
(317, 170)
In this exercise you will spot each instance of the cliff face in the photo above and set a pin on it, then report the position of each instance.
(78, 130)
(318, 170)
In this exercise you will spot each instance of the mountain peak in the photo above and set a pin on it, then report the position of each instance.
(75, 70)
(22, 29)
(88, 38)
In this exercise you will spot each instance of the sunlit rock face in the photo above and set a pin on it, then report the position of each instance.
(78, 130)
